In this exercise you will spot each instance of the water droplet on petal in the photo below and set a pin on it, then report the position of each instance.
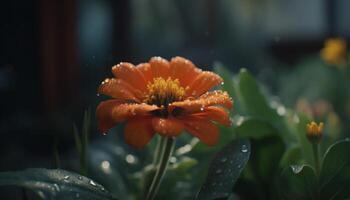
(244, 148)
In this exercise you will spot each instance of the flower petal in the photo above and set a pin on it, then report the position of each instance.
(131, 74)
(119, 89)
(146, 70)
(167, 127)
(126, 111)
(208, 99)
(203, 83)
(205, 130)
(183, 70)
(214, 113)
(160, 67)
(138, 132)
(104, 114)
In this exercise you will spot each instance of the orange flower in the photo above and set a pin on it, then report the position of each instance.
(163, 97)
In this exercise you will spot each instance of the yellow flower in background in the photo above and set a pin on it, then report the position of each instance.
(314, 131)
(334, 51)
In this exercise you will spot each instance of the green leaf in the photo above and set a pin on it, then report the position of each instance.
(335, 172)
(256, 105)
(55, 184)
(252, 98)
(224, 170)
(298, 182)
(290, 156)
(227, 76)
(255, 128)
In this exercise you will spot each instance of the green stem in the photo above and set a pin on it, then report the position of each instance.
(316, 151)
(158, 150)
(167, 148)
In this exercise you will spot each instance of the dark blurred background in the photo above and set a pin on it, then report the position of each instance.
(54, 54)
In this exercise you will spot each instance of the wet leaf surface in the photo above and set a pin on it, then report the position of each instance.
(224, 170)
(55, 184)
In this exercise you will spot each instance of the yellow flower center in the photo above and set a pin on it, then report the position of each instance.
(162, 92)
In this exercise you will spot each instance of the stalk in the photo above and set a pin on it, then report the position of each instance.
(167, 145)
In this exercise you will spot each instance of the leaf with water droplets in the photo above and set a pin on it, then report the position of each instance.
(298, 182)
(55, 184)
(224, 170)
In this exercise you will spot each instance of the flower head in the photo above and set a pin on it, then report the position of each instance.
(164, 97)
(314, 131)
(334, 51)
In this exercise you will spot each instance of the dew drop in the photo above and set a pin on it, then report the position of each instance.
(296, 168)
(41, 194)
(244, 148)
(92, 183)
(57, 188)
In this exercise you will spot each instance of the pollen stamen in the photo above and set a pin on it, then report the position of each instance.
(162, 92)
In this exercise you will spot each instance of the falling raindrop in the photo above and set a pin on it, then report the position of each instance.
(77, 195)
(218, 171)
(239, 166)
(347, 139)
(104, 133)
(80, 177)
(244, 148)
(223, 159)
(202, 108)
(222, 83)
(98, 94)
(213, 184)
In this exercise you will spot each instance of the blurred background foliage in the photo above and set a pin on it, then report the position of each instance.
(54, 54)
